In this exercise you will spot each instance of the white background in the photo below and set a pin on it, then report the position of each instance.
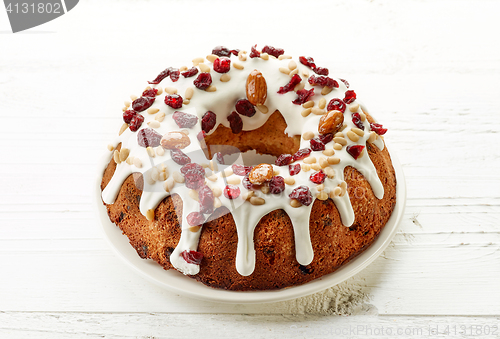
(428, 70)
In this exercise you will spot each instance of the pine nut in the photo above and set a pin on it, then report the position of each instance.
(358, 131)
(211, 88)
(155, 174)
(322, 103)
(197, 61)
(194, 195)
(339, 135)
(217, 191)
(127, 104)
(194, 229)
(323, 162)
(177, 176)
(154, 124)
(320, 187)
(333, 160)
(281, 57)
(363, 116)
(151, 151)
(289, 180)
(234, 180)
(264, 56)
(124, 152)
(137, 162)
(257, 201)
(315, 167)
(238, 66)
(329, 172)
(160, 151)
(305, 73)
(306, 112)
(133, 97)
(353, 136)
(189, 93)
(308, 135)
(292, 65)
(373, 137)
(318, 111)
(265, 189)
(242, 57)
(160, 117)
(116, 156)
(284, 70)
(160, 91)
(299, 86)
(152, 110)
(340, 140)
(168, 185)
(329, 152)
(186, 102)
(309, 160)
(123, 129)
(130, 160)
(183, 68)
(354, 108)
(212, 177)
(326, 90)
(150, 214)
(204, 68)
(217, 203)
(212, 57)
(225, 77)
(322, 195)
(111, 148)
(336, 192)
(228, 172)
(308, 104)
(263, 109)
(305, 167)
(292, 73)
(337, 146)
(295, 203)
(247, 195)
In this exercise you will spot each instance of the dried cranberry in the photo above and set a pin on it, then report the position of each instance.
(336, 104)
(206, 198)
(277, 184)
(194, 175)
(192, 257)
(317, 144)
(275, 52)
(303, 95)
(208, 121)
(179, 157)
(128, 115)
(302, 194)
(294, 169)
(175, 74)
(195, 218)
(254, 53)
(318, 177)
(345, 82)
(161, 76)
(355, 150)
(323, 81)
(235, 52)
(301, 154)
(148, 137)
(248, 185)
(201, 135)
(245, 107)
(221, 51)
(220, 158)
(184, 120)
(356, 119)
(378, 128)
(241, 169)
(190, 72)
(173, 100)
(142, 103)
(235, 122)
(203, 81)
(150, 92)
(284, 159)
(294, 81)
(321, 70)
(136, 122)
(350, 96)
(307, 61)
(231, 191)
(326, 138)
(222, 65)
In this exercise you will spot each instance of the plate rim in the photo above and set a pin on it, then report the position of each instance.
(178, 283)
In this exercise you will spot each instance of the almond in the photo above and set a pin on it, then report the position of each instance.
(173, 140)
(260, 174)
(256, 88)
(331, 122)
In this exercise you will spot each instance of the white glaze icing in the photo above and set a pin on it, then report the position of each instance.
(245, 215)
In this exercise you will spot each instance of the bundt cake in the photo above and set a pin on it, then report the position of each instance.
(249, 171)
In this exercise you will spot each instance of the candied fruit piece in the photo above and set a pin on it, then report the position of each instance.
(346, 83)
(222, 51)
(323, 81)
(194, 175)
(150, 92)
(184, 120)
(195, 219)
(162, 76)
(254, 53)
(326, 138)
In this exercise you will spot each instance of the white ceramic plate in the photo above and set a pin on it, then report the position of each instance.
(178, 283)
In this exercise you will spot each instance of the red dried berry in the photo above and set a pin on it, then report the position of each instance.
(302, 194)
(284, 159)
(150, 92)
(318, 177)
(201, 135)
(235, 122)
(179, 157)
(254, 53)
(235, 52)
(277, 184)
(142, 103)
(275, 52)
(326, 138)
(350, 96)
(195, 219)
(128, 115)
(323, 81)
(303, 95)
(241, 169)
(301, 154)
(194, 175)
(162, 76)
(248, 185)
(136, 122)
(355, 150)
(184, 120)
(245, 107)
(222, 51)
(321, 70)
(220, 158)
(317, 145)
(294, 169)
(336, 104)
(378, 128)
(173, 100)
(206, 198)
(208, 121)
(175, 74)
(345, 82)
(356, 119)
(192, 257)
(294, 81)
(203, 81)
(307, 61)
(231, 191)
(190, 72)
(148, 137)
(222, 65)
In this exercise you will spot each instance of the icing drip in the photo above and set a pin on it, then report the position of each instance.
(246, 215)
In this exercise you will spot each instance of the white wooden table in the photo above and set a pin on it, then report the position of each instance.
(429, 71)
